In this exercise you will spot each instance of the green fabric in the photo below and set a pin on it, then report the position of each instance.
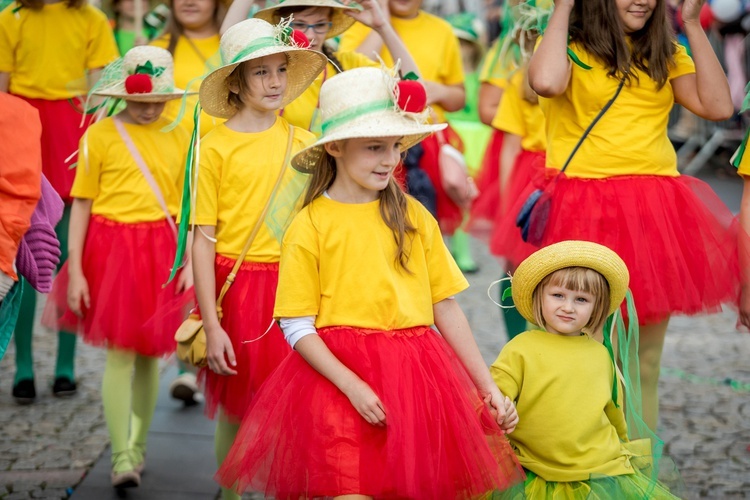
(461, 250)
(355, 112)
(9, 309)
(515, 324)
(126, 39)
(261, 43)
(223, 439)
(470, 112)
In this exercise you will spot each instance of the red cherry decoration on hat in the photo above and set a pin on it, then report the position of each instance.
(138, 84)
(300, 39)
(412, 96)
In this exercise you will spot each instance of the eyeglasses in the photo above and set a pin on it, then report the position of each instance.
(319, 28)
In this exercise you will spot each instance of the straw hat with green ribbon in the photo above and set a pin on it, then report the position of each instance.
(565, 254)
(144, 74)
(253, 39)
(340, 21)
(368, 102)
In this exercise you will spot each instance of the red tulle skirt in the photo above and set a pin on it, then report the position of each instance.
(126, 266)
(508, 244)
(248, 312)
(678, 239)
(302, 438)
(485, 207)
(449, 215)
(61, 133)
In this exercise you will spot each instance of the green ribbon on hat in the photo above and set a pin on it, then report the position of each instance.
(355, 112)
(261, 43)
(149, 69)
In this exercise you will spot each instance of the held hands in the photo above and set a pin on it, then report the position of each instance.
(375, 14)
(78, 294)
(219, 351)
(503, 409)
(366, 402)
(745, 306)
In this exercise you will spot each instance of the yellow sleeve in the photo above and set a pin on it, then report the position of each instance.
(492, 71)
(209, 180)
(89, 168)
(8, 39)
(744, 168)
(452, 72)
(352, 60)
(298, 293)
(507, 372)
(353, 37)
(683, 63)
(509, 116)
(101, 46)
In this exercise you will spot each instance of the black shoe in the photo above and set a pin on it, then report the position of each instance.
(24, 391)
(64, 387)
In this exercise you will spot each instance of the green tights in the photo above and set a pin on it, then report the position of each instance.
(66, 342)
(226, 431)
(130, 387)
(515, 324)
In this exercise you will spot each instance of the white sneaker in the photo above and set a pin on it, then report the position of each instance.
(185, 388)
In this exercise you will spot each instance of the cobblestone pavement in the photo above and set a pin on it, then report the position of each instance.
(46, 448)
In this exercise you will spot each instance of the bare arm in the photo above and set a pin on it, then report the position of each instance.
(705, 92)
(489, 101)
(78, 290)
(4, 81)
(450, 97)
(238, 11)
(549, 68)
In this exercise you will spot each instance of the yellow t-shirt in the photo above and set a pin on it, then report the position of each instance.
(630, 139)
(48, 51)
(338, 263)
(301, 112)
(744, 168)
(494, 71)
(568, 427)
(111, 176)
(191, 61)
(429, 40)
(518, 116)
(236, 175)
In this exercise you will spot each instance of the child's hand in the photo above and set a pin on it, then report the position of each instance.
(373, 15)
(503, 409)
(691, 10)
(218, 350)
(367, 403)
(185, 279)
(78, 291)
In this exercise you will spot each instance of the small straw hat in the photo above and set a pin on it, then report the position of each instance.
(360, 103)
(143, 74)
(340, 22)
(253, 39)
(568, 254)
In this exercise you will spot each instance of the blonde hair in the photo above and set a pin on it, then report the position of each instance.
(579, 279)
(393, 205)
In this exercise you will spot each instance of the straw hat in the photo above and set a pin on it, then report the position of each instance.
(253, 39)
(568, 254)
(144, 74)
(365, 102)
(340, 22)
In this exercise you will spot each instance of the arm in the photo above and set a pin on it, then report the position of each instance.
(185, 278)
(78, 288)
(705, 92)
(489, 101)
(744, 248)
(238, 12)
(450, 97)
(362, 397)
(220, 353)
(373, 43)
(454, 327)
(549, 68)
(508, 154)
(4, 81)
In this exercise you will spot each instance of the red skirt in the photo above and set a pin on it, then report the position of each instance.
(302, 438)
(486, 205)
(126, 266)
(248, 311)
(508, 244)
(678, 239)
(61, 133)
(449, 215)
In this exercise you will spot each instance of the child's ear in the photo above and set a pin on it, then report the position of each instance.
(234, 88)
(335, 148)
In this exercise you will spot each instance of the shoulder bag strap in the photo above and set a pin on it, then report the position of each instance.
(232, 275)
(145, 171)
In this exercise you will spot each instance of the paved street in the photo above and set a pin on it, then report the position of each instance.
(47, 448)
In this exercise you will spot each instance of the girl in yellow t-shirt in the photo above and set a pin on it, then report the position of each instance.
(572, 437)
(373, 402)
(240, 162)
(622, 188)
(121, 241)
(50, 53)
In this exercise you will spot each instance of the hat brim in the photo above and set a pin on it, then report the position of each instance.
(383, 124)
(340, 21)
(303, 68)
(565, 254)
(155, 97)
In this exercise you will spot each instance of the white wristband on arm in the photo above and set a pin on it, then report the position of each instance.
(296, 328)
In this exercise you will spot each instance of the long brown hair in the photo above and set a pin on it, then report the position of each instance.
(175, 29)
(393, 205)
(596, 25)
(38, 4)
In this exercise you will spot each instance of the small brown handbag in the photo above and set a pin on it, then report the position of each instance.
(190, 336)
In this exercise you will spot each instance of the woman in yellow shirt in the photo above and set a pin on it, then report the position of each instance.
(122, 237)
(373, 402)
(572, 437)
(622, 188)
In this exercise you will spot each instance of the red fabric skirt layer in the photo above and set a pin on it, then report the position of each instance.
(449, 215)
(678, 239)
(485, 207)
(302, 438)
(248, 312)
(61, 133)
(508, 243)
(126, 266)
